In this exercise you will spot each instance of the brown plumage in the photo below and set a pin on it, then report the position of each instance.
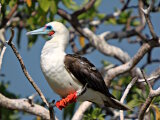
(86, 72)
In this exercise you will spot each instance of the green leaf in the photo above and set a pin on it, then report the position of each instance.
(134, 103)
(11, 3)
(70, 4)
(101, 15)
(135, 23)
(123, 17)
(44, 4)
(105, 63)
(94, 114)
(53, 7)
(112, 21)
(97, 3)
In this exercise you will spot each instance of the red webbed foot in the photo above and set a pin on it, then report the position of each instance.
(71, 98)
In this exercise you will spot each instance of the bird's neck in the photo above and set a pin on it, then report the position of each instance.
(56, 46)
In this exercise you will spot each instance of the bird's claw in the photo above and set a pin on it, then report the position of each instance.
(52, 104)
(71, 98)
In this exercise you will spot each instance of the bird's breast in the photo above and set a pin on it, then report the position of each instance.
(59, 79)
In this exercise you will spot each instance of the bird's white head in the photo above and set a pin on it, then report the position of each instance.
(56, 30)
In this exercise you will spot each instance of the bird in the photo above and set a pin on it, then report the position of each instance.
(67, 74)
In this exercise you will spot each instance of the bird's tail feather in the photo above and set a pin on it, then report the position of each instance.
(114, 103)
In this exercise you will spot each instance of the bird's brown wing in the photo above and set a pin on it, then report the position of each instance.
(86, 72)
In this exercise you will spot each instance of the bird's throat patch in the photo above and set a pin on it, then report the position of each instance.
(51, 33)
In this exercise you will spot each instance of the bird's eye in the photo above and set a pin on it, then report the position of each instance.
(49, 27)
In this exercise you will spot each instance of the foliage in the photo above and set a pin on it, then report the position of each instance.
(35, 14)
(94, 113)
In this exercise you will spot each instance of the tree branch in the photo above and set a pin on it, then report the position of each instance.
(7, 18)
(81, 110)
(152, 94)
(25, 106)
(146, 14)
(25, 70)
(125, 95)
(1, 56)
(112, 73)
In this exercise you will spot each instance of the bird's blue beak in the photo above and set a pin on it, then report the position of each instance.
(38, 31)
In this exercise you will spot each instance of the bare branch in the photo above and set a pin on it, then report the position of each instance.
(25, 70)
(81, 110)
(2, 44)
(96, 42)
(144, 108)
(25, 106)
(153, 76)
(72, 43)
(112, 73)
(146, 14)
(150, 62)
(149, 79)
(150, 87)
(125, 95)
(152, 94)
(30, 98)
(51, 110)
(0, 7)
(99, 43)
(1, 56)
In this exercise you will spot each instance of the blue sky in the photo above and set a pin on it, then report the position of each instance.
(20, 85)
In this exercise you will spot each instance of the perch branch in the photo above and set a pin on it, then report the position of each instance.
(25, 106)
(25, 70)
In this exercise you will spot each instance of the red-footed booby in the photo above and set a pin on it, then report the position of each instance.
(68, 73)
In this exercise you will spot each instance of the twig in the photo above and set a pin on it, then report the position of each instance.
(150, 62)
(150, 87)
(86, 49)
(149, 79)
(153, 76)
(25, 70)
(30, 98)
(72, 43)
(1, 56)
(81, 110)
(125, 95)
(0, 7)
(152, 94)
(146, 14)
(108, 16)
(51, 110)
